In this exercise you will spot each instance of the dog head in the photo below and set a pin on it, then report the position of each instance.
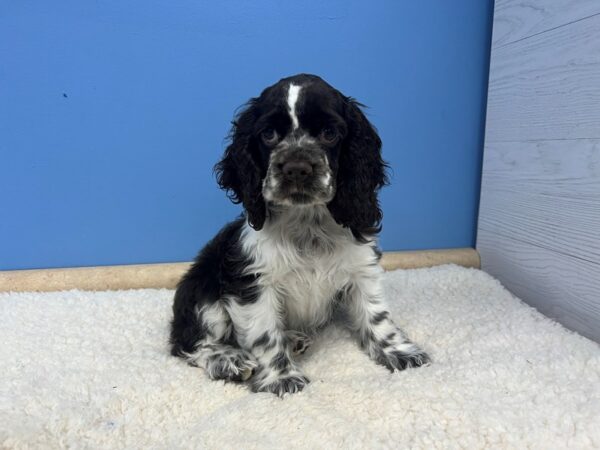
(302, 142)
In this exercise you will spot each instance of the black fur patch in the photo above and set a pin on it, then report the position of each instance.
(384, 344)
(378, 253)
(262, 341)
(366, 337)
(217, 272)
(379, 317)
(280, 361)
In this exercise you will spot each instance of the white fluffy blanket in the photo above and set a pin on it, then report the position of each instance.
(92, 370)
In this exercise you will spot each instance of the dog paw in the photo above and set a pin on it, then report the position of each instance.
(299, 342)
(400, 361)
(286, 384)
(232, 365)
(404, 358)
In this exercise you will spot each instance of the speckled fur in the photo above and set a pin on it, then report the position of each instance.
(304, 250)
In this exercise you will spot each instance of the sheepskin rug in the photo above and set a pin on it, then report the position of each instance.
(92, 370)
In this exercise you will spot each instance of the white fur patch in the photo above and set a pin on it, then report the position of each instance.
(293, 94)
(307, 280)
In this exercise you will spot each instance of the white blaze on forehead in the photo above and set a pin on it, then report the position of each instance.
(293, 94)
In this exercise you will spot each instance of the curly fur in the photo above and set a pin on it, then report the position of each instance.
(361, 169)
(238, 172)
(306, 164)
(361, 173)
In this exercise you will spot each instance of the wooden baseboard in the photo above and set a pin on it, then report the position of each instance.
(167, 275)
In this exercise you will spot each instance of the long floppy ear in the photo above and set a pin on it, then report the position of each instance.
(361, 173)
(238, 172)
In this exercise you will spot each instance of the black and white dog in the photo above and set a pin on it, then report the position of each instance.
(306, 165)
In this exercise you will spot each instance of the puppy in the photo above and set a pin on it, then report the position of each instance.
(306, 165)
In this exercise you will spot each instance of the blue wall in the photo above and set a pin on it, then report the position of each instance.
(113, 112)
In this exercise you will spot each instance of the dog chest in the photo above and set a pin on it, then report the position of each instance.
(307, 283)
(306, 262)
(308, 292)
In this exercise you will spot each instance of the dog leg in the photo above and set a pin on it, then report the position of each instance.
(369, 318)
(221, 360)
(259, 330)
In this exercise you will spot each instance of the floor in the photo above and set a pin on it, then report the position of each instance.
(92, 370)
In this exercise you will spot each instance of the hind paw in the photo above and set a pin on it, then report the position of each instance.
(299, 342)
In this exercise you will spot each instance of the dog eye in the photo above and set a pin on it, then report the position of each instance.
(329, 135)
(269, 136)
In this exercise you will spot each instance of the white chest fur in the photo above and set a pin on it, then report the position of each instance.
(306, 259)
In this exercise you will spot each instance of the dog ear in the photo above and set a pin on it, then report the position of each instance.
(361, 173)
(238, 173)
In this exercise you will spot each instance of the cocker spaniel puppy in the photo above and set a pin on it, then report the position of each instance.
(306, 164)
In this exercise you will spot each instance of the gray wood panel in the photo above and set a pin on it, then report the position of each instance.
(560, 286)
(515, 20)
(539, 218)
(546, 193)
(547, 86)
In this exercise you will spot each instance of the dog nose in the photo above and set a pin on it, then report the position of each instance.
(297, 170)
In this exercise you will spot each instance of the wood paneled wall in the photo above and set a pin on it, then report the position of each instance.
(539, 218)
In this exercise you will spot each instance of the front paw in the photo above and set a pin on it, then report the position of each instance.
(281, 384)
(396, 360)
(400, 359)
